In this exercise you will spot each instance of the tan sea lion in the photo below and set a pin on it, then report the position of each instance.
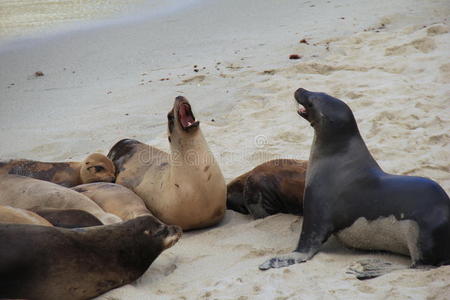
(13, 215)
(185, 187)
(50, 263)
(273, 187)
(115, 199)
(68, 218)
(29, 193)
(96, 167)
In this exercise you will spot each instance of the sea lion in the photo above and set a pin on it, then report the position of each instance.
(68, 218)
(184, 188)
(96, 167)
(115, 199)
(273, 187)
(13, 215)
(349, 195)
(51, 263)
(29, 193)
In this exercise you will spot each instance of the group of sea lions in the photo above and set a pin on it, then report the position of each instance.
(76, 230)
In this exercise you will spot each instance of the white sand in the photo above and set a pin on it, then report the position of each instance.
(96, 90)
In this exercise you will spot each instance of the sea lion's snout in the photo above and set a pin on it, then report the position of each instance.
(174, 233)
(301, 96)
(184, 114)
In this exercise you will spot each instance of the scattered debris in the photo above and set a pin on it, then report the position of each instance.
(108, 92)
(212, 120)
(304, 41)
(38, 73)
(269, 72)
(295, 56)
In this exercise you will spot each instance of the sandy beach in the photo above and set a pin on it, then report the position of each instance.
(388, 60)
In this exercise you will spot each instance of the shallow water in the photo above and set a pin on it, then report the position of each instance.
(20, 17)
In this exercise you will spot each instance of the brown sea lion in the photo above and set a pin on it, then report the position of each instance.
(115, 199)
(273, 187)
(68, 218)
(185, 187)
(96, 167)
(29, 193)
(13, 215)
(50, 263)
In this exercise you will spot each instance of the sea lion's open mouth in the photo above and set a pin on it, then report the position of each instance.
(185, 116)
(302, 99)
(302, 112)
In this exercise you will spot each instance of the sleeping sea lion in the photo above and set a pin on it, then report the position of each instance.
(13, 215)
(273, 187)
(96, 167)
(68, 218)
(115, 199)
(29, 193)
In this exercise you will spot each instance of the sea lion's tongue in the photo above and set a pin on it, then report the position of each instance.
(186, 116)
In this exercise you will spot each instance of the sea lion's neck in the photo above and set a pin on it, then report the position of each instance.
(76, 166)
(192, 152)
(349, 148)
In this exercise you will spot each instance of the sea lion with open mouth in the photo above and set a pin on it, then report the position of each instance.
(94, 168)
(184, 188)
(275, 186)
(50, 263)
(349, 195)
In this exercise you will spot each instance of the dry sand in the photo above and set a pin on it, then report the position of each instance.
(389, 60)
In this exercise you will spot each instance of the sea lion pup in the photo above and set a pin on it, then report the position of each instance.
(13, 215)
(184, 188)
(96, 167)
(29, 193)
(349, 195)
(115, 199)
(273, 187)
(68, 218)
(51, 263)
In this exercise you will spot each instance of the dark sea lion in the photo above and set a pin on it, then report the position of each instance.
(68, 218)
(50, 263)
(29, 193)
(96, 167)
(273, 187)
(184, 188)
(349, 195)
(115, 199)
(13, 215)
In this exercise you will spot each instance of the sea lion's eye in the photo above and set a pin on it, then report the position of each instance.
(170, 117)
(98, 168)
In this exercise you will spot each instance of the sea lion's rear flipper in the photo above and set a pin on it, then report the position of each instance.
(372, 268)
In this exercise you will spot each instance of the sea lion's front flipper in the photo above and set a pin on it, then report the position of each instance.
(372, 268)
